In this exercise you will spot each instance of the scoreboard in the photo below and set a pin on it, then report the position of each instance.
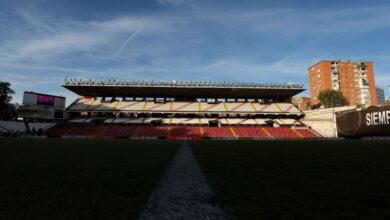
(32, 98)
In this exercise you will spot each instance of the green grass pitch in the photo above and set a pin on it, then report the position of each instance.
(112, 179)
(299, 179)
(79, 179)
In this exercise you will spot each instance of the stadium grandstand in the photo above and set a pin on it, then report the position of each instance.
(182, 110)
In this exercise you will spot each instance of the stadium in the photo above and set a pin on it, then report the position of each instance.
(194, 110)
(190, 110)
(182, 110)
(199, 150)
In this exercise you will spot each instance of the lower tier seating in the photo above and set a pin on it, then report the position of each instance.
(307, 133)
(218, 132)
(247, 132)
(152, 131)
(187, 132)
(282, 132)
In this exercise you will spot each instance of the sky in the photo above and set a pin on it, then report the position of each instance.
(44, 41)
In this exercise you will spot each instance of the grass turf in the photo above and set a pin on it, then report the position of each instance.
(298, 179)
(79, 179)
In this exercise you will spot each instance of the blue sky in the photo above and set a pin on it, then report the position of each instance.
(42, 41)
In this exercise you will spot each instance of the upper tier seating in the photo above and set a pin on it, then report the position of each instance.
(193, 121)
(241, 121)
(190, 121)
(184, 107)
(286, 121)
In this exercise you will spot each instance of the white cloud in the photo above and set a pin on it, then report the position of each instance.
(59, 44)
(39, 25)
(45, 68)
(171, 2)
(299, 22)
(125, 24)
(77, 36)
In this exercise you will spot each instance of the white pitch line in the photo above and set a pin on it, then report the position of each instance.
(183, 192)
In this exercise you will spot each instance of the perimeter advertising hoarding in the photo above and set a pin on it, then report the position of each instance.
(369, 122)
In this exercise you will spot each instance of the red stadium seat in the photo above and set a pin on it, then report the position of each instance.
(282, 132)
(152, 131)
(120, 131)
(187, 132)
(307, 133)
(217, 132)
(249, 131)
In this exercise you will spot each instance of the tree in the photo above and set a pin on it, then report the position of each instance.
(332, 98)
(315, 106)
(7, 110)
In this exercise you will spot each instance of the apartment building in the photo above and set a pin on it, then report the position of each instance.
(303, 103)
(380, 93)
(354, 79)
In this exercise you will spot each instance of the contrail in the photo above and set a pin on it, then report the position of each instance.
(156, 41)
(130, 38)
(139, 30)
